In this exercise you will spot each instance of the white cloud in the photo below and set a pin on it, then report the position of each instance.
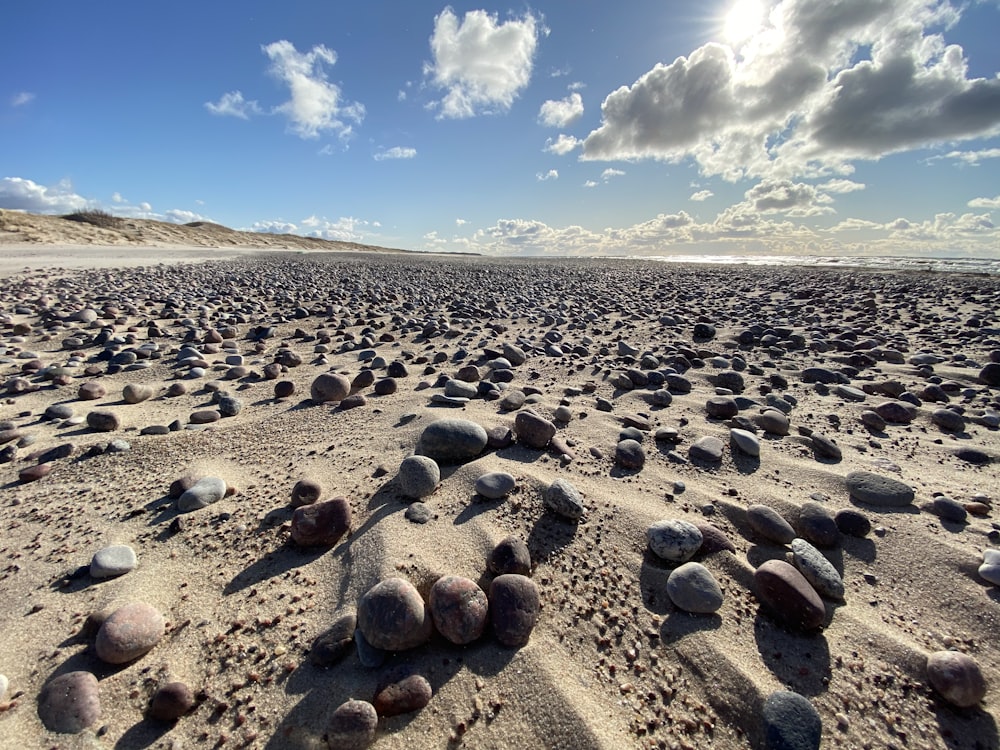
(781, 196)
(19, 194)
(316, 105)
(21, 98)
(590, 184)
(461, 222)
(396, 152)
(117, 198)
(344, 229)
(970, 158)
(985, 202)
(274, 227)
(552, 174)
(841, 186)
(561, 113)
(561, 145)
(701, 195)
(232, 104)
(821, 85)
(481, 63)
(609, 173)
(180, 216)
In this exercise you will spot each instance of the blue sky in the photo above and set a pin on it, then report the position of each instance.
(550, 128)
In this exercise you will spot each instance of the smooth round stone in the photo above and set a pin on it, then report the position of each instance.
(321, 524)
(772, 421)
(452, 440)
(330, 386)
(769, 524)
(284, 389)
(70, 702)
(817, 570)
(786, 593)
(386, 387)
(990, 569)
(460, 389)
(306, 491)
(693, 588)
(332, 645)
(563, 499)
(822, 375)
(563, 414)
(459, 609)
(818, 525)
(392, 616)
(826, 447)
(898, 412)
(418, 512)
(115, 560)
(456, 401)
(744, 441)
(990, 374)
(532, 430)
(59, 411)
(418, 476)
(674, 540)
(949, 509)
(853, 522)
(956, 677)
(171, 701)
(948, 420)
(103, 421)
(176, 389)
(205, 416)
(34, 473)
(352, 726)
(404, 696)
(849, 393)
(129, 632)
(230, 406)
(791, 722)
(629, 454)
(874, 489)
(511, 555)
(135, 393)
(707, 448)
(872, 420)
(513, 399)
(721, 407)
(495, 485)
(203, 493)
(514, 608)
(713, 539)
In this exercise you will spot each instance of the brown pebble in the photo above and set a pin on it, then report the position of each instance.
(171, 702)
(409, 694)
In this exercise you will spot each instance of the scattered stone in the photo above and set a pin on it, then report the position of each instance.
(744, 441)
(91, 391)
(201, 494)
(949, 509)
(306, 491)
(897, 412)
(707, 448)
(418, 513)
(459, 609)
(514, 608)
(115, 560)
(693, 588)
(129, 632)
(532, 430)
(103, 421)
(404, 696)
(674, 540)
(330, 386)
(511, 555)
(495, 485)
(418, 476)
(70, 702)
(565, 500)
(817, 570)
(452, 440)
(786, 593)
(853, 522)
(791, 722)
(135, 393)
(818, 525)
(769, 524)
(34, 473)
(772, 421)
(990, 569)
(826, 447)
(956, 677)
(393, 617)
(629, 454)
(713, 539)
(352, 726)
(335, 643)
(171, 701)
(721, 407)
(875, 489)
(321, 524)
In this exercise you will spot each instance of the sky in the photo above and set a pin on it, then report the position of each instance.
(555, 128)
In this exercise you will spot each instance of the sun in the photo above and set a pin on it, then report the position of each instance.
(742, 21)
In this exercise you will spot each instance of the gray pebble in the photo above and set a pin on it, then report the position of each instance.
(115, 560)
(693, 588)
(674, 540)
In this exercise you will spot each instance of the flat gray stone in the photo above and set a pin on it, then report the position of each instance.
(745, 441)
(452, 440)
(768, 523)
(495, 485)
(205, 492)
(674, 540)
(115, 560)
(990, 569)
(817, 570)
(693, 588)
(565, 500)
(876, 489)
(707, 448)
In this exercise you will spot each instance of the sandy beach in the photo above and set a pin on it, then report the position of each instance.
(767, 433)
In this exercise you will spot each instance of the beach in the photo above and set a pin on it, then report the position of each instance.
(859, 409)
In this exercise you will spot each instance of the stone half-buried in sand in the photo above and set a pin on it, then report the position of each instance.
(452, 441)
(392, 616)
(321, 524)
(129, 632)
(70, 702)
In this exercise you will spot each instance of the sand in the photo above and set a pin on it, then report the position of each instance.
(611, 663)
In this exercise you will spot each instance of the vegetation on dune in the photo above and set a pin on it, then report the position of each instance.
(97, 217)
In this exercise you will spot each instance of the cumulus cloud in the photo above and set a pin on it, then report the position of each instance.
(985, 202)
(552, 174)
(610, 173)
(480, 62)
(701, 195)
(316, 105)
(561, 145)
(773, 196)
(19, 194)
(181, 216)
(969, 158)
(21, 98)
(841, 186)
(820, 85)
(232, 104)
(561, 113)
(344, 229)
(274, 227)
(396, 152)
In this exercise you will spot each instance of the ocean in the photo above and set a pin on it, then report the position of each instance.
(978, 266)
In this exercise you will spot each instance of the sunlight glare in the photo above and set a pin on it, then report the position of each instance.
(743, 20)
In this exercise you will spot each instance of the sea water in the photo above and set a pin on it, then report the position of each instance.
(980, 266)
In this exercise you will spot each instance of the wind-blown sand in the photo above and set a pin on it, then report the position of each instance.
(612, 662)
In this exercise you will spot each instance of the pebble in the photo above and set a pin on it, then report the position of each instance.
(230, 406)
(817, 524)
(721, 407)
(817, 570)
(336, 642)
(512, 400)
(563, 499)
(896, 412)
(514, 608)
(707, 448)
(452, 440)
(990, 569)
(403, 696)
(693, 588)
(91, 391)
(769, 524)
(949, 509)
(495, 485)
(129, 632)
(34, 473)
(674, 540)
(744, 441)
(418, 513)
(329, 386)
(135, 393)
(418, 476)
(321, 524)
(70, 702)
(115, 560)
(786, 593)
(58, 411)
(956, 677)
(772, 421)
(511, 555)
(459, 609)
(875, 489)
(533, 430)
(629, 454)
(171, 701)
(306, 491)
(826, 447)
(203, 493)
(872, 420)
(392, 616)
(103, 421)
(791, 722)
(352, 726)
(713, 539)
